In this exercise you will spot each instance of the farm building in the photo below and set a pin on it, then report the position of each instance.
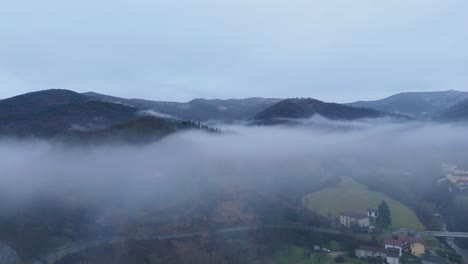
(378, 255)
(364, 252)
(372, 213)
(350, 219)
(392, 256)
(413, 245)
(459, 178)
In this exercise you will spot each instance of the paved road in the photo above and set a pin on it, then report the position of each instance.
(60, 253)
(433, 233)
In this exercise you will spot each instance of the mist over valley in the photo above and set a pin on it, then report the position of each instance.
(157, 174)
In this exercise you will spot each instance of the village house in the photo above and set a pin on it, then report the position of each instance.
(372, 213)
(398, 244)
(412, 244)
(392, 256)
(364, 252)
(459, 178)
(379, 255)
(350, 219)
(417, 248)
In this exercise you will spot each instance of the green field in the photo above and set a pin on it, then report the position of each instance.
(350, 195)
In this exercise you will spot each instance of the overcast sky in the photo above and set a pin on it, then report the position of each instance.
(177, 50)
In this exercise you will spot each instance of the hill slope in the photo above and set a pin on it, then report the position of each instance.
(307, 107)
(36, 102)
(198, 109)
(350, 195)
(52, 112)
(73, 116)
(416, 104)
(63, 119)
(456, 113)
(140, 130)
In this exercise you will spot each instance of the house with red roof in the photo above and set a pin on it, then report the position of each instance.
(414, 245)
(459, 178)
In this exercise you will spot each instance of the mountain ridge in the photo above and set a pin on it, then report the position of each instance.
(65, 114)
(140, 130)
(421, 105)
(299, 108)
(52, 112)
(456, 113)
(199, 109)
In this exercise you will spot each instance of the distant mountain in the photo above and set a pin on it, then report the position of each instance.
(307, 107)
(138, 103)
(456, 113)
(416, 104)
(72, 116)
(198, 109)
(51, 112)
(36, 102)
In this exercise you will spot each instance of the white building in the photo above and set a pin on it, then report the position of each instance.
(350, 219)
(392, 256)
(364, 252)
(372, 213)
(397, 244)
(457, 177)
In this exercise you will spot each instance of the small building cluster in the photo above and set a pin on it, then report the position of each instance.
(352, 219)
(413, 245)
(393, 250)
(458, 178)
(381, 255)
(372, 213)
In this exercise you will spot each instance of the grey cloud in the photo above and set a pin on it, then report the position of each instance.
(178, 50)
(181, 166)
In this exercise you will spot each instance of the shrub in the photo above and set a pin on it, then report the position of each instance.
(339, 259)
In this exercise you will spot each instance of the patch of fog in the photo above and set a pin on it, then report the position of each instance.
(7, 255)
(322, 123)
(155, 113)
(183, 164)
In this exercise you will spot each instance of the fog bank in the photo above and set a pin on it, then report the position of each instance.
(183, 166)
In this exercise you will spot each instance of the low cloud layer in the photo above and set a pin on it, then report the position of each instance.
(184, 164)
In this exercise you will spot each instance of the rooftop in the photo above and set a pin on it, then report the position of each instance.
(400, 241)
(355, 215)
(412, 240)
(372, 249)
